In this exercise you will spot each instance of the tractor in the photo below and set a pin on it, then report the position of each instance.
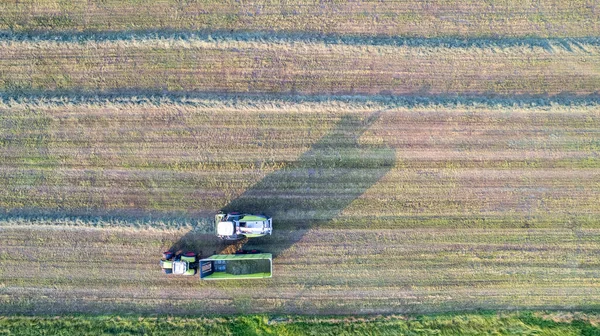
(235, 225)
(181, 263)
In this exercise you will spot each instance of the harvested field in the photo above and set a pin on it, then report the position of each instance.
(53, 270)
(416, 156)
(294, 66)
(331, 163)
(407, 18)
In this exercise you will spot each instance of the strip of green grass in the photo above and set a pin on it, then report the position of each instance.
(526, 323)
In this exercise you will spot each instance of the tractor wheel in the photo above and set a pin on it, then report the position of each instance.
(240, 251)
(168, 271)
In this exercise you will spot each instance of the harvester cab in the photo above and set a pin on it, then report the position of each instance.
(234, 225)
(184, 264)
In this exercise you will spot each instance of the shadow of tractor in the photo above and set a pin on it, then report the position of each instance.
(308, 193)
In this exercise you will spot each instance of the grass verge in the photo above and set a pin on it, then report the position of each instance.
(488, 323)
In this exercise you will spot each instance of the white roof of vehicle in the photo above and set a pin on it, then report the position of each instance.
(179, 267)
(255, 225)
(225, 228)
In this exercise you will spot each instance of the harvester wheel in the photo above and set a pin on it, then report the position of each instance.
(168, 255)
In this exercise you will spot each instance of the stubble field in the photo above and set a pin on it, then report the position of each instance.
(380, 206)
(246, 63)
(324, 271)
(547, 18)
(421, 157)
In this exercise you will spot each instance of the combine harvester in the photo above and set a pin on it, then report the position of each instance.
(234, 226)
(244, 264)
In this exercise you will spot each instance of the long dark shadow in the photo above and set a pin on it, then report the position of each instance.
(309, 193)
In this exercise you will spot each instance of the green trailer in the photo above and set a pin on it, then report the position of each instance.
(237, 266)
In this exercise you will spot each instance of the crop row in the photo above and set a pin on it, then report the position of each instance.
(409, 18)
(296, 67)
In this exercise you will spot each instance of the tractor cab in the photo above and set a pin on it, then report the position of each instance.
(226, 228)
